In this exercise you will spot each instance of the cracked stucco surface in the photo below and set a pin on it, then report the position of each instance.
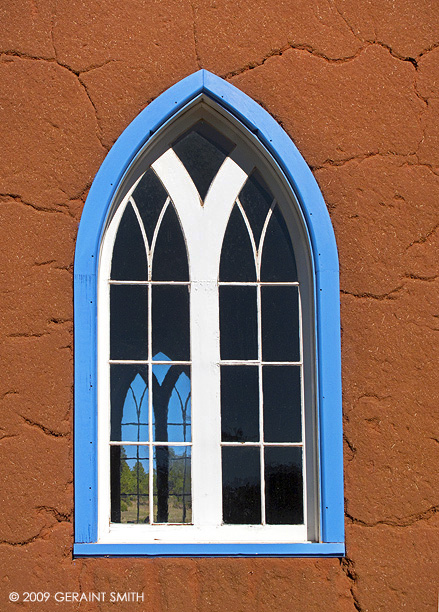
(356, 85)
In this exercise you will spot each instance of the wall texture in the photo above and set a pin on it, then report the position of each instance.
(356, 86)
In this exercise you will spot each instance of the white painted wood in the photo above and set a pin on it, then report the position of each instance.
(103, 393)
(203, 226)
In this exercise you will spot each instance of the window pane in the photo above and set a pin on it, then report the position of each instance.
(128, 322)
(150, 197)
(202, 151)
(129, 467)
(280, 323)
(170, 322)
(129, 402)
(171, 403)
(282, 404)
(256, 200)
(129, 252)
(172, 484)
(283, 486)
(237, 258)
(169, 258)
(278, 261)
(240, 403)
(238, 323)
(241, 485)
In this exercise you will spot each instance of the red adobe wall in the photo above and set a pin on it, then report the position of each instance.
(356, 85)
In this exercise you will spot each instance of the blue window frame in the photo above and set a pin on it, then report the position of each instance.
(327, 366)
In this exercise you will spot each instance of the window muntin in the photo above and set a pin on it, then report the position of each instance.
(220, 204)
(262, 438)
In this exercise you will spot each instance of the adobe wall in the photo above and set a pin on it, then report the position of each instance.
(356, 86)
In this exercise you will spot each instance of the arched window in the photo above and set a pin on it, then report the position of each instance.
(207, 340)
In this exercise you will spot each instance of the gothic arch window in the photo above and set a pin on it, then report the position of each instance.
(202, 424)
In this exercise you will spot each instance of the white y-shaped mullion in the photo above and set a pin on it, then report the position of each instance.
(262, 238)
(142, 228)
(249, 230)
(204, 225)
(154, 236)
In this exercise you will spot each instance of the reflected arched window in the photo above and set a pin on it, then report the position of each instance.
(150, 437)
(217, 417)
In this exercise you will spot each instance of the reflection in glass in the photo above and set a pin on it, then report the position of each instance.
(283, 486)
(172, 484)
(129, 402)
(129, 466)
(171, 403)
(280, 323)
(129, 253)
(150, 197)
(202, 151)
(128, 322)
(241, 485)
(237, 258)
(278, 261)
(170, 258)
(282, 404)
(238, 322)
(170, 321)
(256, 200)
(239, 403)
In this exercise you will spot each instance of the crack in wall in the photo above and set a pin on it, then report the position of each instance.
(288, 47)
(5, 197)
(30, 540)
(76, 73)
(424, 238)
(348, 567)
(375, 296)
(61, 517)
(407, 521)
(356, 34)
(195, 34)
(44, 429)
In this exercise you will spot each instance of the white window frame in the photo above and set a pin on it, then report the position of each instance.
(204, 228)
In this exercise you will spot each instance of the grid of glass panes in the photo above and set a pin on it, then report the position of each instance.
(261, 365)
(150, 389)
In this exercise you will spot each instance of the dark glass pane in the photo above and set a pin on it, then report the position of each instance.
(237, 259)
(256, 200)
(129, 467)
(170, 322)
(278, 261)
(282, 403)
(171, 398)
(170, 258)
(283, 486)
(238, 322)
(280, 323)
(172, 484)
(128, 322)
(241, 485)
(150, 197)
(129, 402)
(129, 253)
(202, 150)
(240, 403)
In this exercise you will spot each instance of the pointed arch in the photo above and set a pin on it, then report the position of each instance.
(109, 184)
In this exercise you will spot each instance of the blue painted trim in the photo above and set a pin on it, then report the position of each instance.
(330, 549)
(325, 260)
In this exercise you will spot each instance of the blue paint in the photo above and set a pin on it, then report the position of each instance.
(333, 549)
(325, 260)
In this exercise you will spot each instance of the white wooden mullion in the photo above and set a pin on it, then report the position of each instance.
(204, 225)
(104, 415)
